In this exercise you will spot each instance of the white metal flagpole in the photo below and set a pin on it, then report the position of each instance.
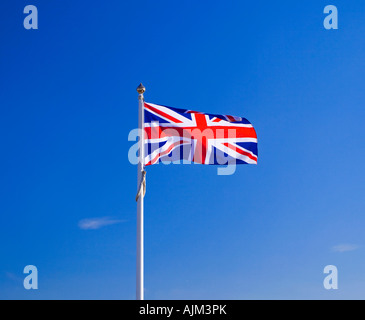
(140, 194)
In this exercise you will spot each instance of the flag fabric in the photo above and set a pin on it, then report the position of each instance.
(175, 135)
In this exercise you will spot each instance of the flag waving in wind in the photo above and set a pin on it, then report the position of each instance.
(173, 134)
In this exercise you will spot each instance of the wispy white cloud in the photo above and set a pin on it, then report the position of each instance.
(14, 277)
(345, 247)
(97, 223)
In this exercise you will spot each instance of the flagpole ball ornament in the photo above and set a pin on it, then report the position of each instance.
(141, 89)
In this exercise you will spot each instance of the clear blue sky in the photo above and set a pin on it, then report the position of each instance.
(68, 102)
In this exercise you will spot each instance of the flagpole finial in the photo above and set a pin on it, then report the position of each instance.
(141, 89)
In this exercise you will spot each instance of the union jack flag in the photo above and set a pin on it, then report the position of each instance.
(173, 134)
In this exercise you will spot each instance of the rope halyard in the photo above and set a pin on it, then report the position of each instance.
(142, 183)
